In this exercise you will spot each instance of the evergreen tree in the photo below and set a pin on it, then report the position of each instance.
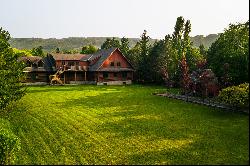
(145, 63)
(124, 46)
(57, 50)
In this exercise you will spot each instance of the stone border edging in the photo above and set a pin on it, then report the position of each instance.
(205, 102)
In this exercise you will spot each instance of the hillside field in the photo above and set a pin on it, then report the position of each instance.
(124, 125)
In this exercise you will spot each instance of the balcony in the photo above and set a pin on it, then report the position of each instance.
(76, 68)
(31, 69)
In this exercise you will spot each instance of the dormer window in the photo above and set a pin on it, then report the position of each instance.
(29, 64)
(112, 64)
(40, 64)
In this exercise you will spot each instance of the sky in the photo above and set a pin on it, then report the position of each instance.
(118, 18)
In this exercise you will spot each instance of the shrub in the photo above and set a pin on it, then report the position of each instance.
(9, 144)
(236, 95)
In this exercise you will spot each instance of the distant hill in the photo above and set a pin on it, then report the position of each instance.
(77, 42)
(206, 41)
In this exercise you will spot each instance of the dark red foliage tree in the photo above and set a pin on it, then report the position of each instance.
(186, 80)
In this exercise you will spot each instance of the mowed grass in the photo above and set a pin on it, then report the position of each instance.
(124, 125)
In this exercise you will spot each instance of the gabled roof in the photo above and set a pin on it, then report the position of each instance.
(48, 62)
(32, 59)
(73, 57)
(102, 55)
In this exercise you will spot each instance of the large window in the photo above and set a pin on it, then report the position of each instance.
(115, 75)
(70, 63)
(124, 74)
(40, 64)
(105, 75)
(118, 64)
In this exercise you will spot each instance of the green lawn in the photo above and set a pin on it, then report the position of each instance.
(124, 125)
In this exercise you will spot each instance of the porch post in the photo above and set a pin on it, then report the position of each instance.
(75, 77)
(97, 76)
(64, 77)
(85, 76)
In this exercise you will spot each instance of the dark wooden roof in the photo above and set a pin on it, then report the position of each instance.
(96, 60)
(114, 69)
(32, 59)
(48, 61)
(72, 57)
(102, 55)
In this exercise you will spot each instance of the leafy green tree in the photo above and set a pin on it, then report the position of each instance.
(11, 72)
(22, 52)
(37, 51)
(165, 57)
(186, 80)
(89, 49)
(232, 48)
(182, 45)
(109, 43)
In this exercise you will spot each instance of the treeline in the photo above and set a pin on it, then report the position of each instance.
(174, 59)
(76, 43)
(161, 61)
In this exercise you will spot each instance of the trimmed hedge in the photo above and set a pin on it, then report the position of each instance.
(237, 96)
(9, 144)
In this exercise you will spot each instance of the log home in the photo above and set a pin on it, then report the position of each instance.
(105, 67)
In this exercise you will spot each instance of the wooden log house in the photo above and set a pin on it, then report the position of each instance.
(107, 66)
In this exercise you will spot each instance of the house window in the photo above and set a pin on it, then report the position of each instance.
(63, 62)
(29, 64)
(112, 64)
(34, 65)
(40, 64)
(118, 64)
(105, 75)
(115, 74)
(33, 76)
(71, 63)
(124, 75)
